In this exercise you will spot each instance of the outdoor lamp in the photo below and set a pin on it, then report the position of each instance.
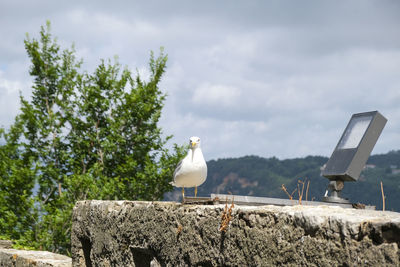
(352, 152)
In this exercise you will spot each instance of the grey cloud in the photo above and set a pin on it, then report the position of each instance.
(270, 78)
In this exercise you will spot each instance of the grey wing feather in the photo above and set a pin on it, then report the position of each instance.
(178, 167)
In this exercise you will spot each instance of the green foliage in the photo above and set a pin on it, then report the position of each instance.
(17, 174)
(88, 136)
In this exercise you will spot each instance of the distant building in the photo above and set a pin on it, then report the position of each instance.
(369, 166)
(395, 171)
(322, 168)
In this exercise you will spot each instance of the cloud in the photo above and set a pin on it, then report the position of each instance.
(269, 78)
(9, 99)
(216, 95)
(8, 87)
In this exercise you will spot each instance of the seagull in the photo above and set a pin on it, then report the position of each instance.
(192, 169)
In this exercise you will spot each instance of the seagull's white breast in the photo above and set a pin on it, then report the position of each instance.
(192, 171)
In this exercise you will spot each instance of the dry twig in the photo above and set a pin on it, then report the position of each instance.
(383, 197)
(226, 217)
(302, 190)
(285, 190)
(179, 229)
(299, 192)
(308, 185)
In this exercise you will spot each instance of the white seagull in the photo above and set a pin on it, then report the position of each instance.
(192, 170)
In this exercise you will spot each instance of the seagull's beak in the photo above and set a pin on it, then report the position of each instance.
(193, 144)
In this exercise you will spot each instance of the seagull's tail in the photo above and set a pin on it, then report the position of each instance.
(172, 183)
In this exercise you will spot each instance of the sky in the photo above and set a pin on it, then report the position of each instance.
(266, 78)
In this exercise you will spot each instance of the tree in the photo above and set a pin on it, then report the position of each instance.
(17, 179)
(91, 136)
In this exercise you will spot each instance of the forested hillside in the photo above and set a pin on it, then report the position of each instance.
(256, 176)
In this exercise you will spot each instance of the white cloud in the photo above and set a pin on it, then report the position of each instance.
(267, 78)
(9, 99)
(216, 95)
(8, 87)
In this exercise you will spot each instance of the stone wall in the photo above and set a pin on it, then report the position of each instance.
(26, 258)
(127, 233)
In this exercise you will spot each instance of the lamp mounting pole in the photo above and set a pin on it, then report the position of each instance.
(335, 186)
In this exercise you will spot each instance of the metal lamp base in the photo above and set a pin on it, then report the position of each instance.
(335, 187)
(334, 199)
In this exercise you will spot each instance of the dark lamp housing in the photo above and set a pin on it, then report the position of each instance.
(352, 152)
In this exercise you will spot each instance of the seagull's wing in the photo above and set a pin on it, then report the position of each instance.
(178, 168)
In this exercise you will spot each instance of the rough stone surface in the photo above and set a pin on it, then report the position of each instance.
(6, 244)
(27, 258)
(126, 233)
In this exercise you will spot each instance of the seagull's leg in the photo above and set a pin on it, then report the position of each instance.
(183, 193)
(195, 191)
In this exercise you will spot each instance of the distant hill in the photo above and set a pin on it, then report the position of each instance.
(256, 176)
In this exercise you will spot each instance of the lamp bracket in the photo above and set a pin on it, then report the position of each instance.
(335, 187)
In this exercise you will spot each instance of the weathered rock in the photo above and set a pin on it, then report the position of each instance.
(127, 233)
(6, 244)
(27, 258)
